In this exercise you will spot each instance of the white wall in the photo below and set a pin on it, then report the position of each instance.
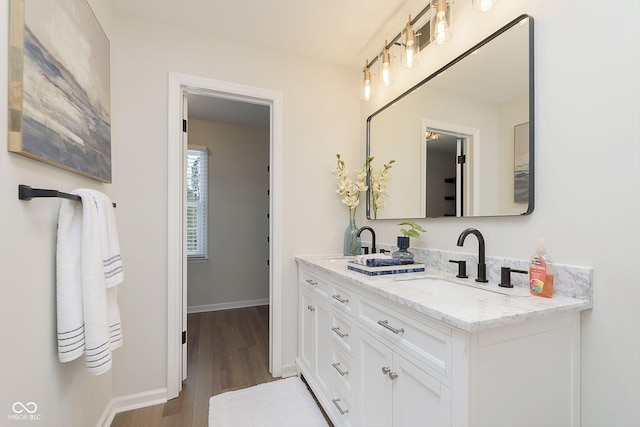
(64, 393)
(587, 184)
(321, 118)
(237, 269)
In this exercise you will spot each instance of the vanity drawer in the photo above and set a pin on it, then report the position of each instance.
(342, 368)
(341, 333)
(430, 343)
(342, 299)
(341, 408)
(315, 283)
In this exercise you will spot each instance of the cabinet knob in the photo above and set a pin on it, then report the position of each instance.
(393, 375)
(386, 370)
(311, 308)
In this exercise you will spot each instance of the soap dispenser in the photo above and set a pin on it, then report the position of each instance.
(541, 272)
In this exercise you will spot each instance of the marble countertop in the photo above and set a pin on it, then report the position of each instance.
(513, 305)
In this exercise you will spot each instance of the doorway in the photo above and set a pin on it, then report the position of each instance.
(179, 86)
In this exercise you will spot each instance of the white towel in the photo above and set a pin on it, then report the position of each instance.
(88, 315)
(112, 259)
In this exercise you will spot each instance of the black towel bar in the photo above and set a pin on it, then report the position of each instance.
(25, 192)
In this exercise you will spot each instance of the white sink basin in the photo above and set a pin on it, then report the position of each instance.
(452, 290)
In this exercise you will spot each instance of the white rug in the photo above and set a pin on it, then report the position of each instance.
(281, 403)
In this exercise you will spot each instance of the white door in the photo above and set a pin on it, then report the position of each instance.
(418, 398)
(185, 115)
(375, 400)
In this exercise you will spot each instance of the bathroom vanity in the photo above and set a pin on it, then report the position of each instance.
(430, 349)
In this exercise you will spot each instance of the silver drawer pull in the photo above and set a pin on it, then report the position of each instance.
(385, 324)
(342, 411)
(337, 298)
(337, 331)
(340, 371)
(311, 282)
(311, 308)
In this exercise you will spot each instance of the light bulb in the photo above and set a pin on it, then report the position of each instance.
(367, 84)
(410, 47)
(483, 5)
(440, 25)
(368, 91)
(386, 67)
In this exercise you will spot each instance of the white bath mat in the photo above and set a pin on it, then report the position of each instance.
(279, 403)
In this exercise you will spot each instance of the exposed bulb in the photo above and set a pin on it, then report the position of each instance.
(367, 85)
(411, 47)
(483, 5)
(386, 72)
(368, 90)
(441, 31)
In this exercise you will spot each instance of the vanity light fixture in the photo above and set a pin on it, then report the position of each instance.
(367, 83)
(386, 66)
(410, 46)
(441, 21)
(483, 5)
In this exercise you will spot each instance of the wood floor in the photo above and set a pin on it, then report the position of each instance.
(227, 350)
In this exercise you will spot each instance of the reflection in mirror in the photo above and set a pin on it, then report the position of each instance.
(462, 139)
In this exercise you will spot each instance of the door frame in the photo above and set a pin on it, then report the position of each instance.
(176, 252)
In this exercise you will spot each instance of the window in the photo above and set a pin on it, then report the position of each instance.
(197, 200)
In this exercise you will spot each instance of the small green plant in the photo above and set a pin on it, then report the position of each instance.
(414, 231)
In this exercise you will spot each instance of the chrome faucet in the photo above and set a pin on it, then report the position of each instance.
(373, 237)
(482, 266)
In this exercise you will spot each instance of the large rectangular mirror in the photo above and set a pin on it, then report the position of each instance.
(462, 139)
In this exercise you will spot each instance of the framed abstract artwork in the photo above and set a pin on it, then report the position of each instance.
(59, 86)
(521, 163)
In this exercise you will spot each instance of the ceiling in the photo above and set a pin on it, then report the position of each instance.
(335, 31)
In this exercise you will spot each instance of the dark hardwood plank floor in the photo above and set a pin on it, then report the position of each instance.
(227, 350)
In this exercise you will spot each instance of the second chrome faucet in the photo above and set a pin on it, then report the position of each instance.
(482, 266)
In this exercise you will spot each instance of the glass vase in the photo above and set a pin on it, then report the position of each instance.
(402, 253)
(351, 239)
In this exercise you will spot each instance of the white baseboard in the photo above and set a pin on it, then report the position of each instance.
(130, 402)
(289, 370)
(227, 305)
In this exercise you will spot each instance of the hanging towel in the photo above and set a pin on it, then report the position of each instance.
(111, 257)
(88, 315)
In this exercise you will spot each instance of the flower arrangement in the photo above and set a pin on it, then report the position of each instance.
(377, 185)
(349, 189)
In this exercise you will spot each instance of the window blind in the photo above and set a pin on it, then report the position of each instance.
(197, 201)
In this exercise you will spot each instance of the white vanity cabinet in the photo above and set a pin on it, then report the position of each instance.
(374, 361)
(325, 351)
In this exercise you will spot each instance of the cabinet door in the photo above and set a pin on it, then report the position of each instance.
(374, 363)
(418, 398)
(307, 333)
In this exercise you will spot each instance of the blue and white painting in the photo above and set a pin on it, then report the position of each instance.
(66, 92)
(521, 163)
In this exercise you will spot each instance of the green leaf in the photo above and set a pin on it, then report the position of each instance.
(413, 233)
